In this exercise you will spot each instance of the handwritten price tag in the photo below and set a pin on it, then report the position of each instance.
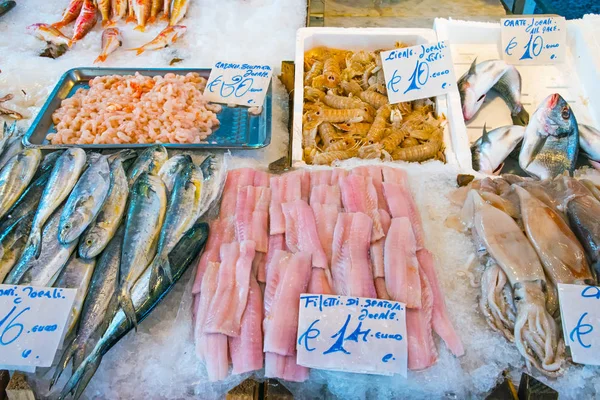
(534, 40)
(580, 311)
(353, 334)
(241, 84)
(32, 320)
(418, 72)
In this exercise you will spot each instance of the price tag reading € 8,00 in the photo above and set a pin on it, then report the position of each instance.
(534, 40)
(418, 72)
(354, 334)
(32, 320)
(238, 83)
(580, 312)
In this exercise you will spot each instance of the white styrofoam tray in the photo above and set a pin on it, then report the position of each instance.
(573, 80)
(363, 39)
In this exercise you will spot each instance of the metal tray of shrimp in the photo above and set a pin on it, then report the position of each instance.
(238, 129)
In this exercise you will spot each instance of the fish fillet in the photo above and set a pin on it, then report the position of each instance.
(326, 194)
(401, 264)
(378, 246)
(359, 195)
(252, 216)
(284, 189)
(381, 289)
(374, 171)
(276, 242)
(282, 305)
(284, 367)
(422, 352)
(320, 281)
(301, 232)
(395, 175)
(246, 350)
(327, 176)
(325, 217)
(221, 231)
(441, 323)
(350, 265)
(229, 302)
(402, 204)
(235, 179)
(261, 178)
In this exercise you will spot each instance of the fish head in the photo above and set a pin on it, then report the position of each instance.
(558, 117)
(470, 99)
(92, 243)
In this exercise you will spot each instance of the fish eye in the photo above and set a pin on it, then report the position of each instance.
(481, 97)
(565, 113)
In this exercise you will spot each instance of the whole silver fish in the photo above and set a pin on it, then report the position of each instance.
(214, 171)
(184, 203)
(76, 275)
(12, 244)
(151, 160)
(551, 143)
(492, 148)
(168, 171)
(12, 147)
(474, 85)
(144, 301)
(7, 134)
(589, 140)
(103, 228)
(63, 178)
(95, 314)
(145, 216)
(15, 176)
(85, 200)
(44, 270)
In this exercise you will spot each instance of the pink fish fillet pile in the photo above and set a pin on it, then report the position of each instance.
(333, 231)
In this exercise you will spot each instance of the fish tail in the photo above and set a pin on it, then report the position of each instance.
(160, 267)
(64, 361)
(521, 118)
(151, 20)
(130, 19)
(34, 242)
(127, 306)
(138, 50)
(58, 25)
(165, 16)
(70, 43)
(140, 28)
(82, 376)
(101, 58)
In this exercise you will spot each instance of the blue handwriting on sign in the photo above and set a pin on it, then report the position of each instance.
(591, 291)
(580, 330)
(311, 333)
(238, 86)
(5, 336)
(338, 345)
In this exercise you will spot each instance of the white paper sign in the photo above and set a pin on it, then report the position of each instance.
(32, 320)
(353, 334)
(580, 311)
(418, 72)
(534, 40)
(238, 83)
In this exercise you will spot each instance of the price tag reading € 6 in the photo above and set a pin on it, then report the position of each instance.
(580, 311)
(32, 320)
(354, 334)
(534, 40)
(418, 72)
(238, 83)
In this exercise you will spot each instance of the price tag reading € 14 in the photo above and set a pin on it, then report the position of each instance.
(238, 83)
(534, 40)
(580, 311)
(352, 334)
(418, 72)
(32, 320)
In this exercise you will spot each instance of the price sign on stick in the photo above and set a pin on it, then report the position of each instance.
(238, 83)
(534, 40)
(32, 320)
(580, 311)
(354, 334)
(418, 72)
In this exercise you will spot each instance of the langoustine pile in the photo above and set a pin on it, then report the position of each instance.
(349, 232)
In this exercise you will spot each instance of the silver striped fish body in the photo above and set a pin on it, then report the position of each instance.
(15, 176)
(12, 147)
(169, 170)
(12, 244)
(7, 134)
(151, 160)
(214, 173)
(492, 148)
(589, 140)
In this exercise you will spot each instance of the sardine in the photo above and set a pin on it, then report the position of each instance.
(111, 41)
(178, 10)
(119, 9)
(551, 141)
(181, 216)
(94, 315)
(141, 9)
(144, 302)
(154, 10)
(13, 243)
(101, 231)
(85, 21)
(71, 13)
(167, 36)
(15, 176)
(44, 270)
(85, 200)
(582, 212)
(145, 216)
(76, 275)
(63, 178)
(104, 8)
(168, 172)
(492, 148)
(151, 160)
(474, 85)
(589, 140)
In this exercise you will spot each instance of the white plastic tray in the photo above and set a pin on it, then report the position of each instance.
(363, 39)
(577, 80)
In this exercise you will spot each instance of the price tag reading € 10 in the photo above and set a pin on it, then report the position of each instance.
(534, 40)
(32, 320)
(238, 83)
(418, 72)
(352, 334)
(580, 311)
